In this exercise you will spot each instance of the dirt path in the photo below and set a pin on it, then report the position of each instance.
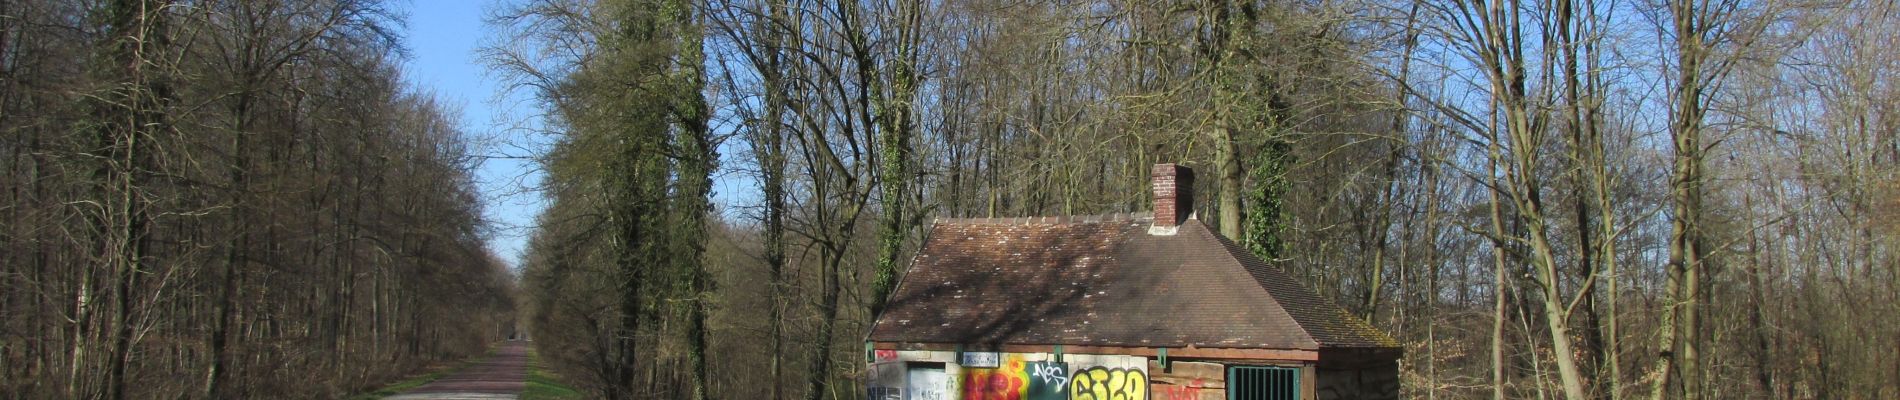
(501, 376)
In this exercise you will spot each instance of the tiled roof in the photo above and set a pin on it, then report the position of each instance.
(1105, 281)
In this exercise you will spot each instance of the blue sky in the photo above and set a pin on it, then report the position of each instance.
(442, 36)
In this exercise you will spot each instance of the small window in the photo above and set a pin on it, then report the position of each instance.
(1263, 383)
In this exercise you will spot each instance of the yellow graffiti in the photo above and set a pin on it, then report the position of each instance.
(1100, 383)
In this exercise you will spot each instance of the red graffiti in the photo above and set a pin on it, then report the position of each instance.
(1007, 383)
(1191, 391)
(885, 355)
(993, 386)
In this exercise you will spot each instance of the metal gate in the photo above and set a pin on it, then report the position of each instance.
(1263, 383)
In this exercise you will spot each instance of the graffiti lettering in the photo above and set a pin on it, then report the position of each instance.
(885, 355)
(1190, 392)
(1053, 374)
(1051, 381)
(1179, 393)
(1101, 383)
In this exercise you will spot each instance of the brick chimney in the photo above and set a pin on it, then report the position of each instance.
(1174, 197)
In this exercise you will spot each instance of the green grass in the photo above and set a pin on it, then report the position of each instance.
(543, 384)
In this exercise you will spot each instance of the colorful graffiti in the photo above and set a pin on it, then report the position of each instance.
(993, 384)
(1015, 379)
(1101, 383)
(1191, 391)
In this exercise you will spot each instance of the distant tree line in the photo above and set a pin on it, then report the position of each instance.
(1554, 198)
(229, 199)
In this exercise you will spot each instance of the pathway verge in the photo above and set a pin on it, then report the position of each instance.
(501, 376)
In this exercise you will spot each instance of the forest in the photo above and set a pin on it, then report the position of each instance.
(226, 200)
(1576, 199)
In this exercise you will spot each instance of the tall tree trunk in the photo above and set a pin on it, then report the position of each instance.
(76, 372)
(631, 244)
(696, 167)
(1581, 128)
(129, 122)
(1228, 33)
(1499, 279)
(820, 379)
(1232, 184)
(770, 150)
(896, 127)
(1680, 339)
(1764, 355)
(236, 246)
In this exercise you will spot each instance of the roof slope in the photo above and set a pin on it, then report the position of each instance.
(1106, 282)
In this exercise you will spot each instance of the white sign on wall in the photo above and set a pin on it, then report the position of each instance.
(980, 359)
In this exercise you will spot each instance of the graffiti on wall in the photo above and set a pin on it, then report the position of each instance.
(993, 384)
(1015, 379)
(1051, 375)
(1187, 380)
(912, 375)
(1100, 383)
(1191, 391)
(1048, 380)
